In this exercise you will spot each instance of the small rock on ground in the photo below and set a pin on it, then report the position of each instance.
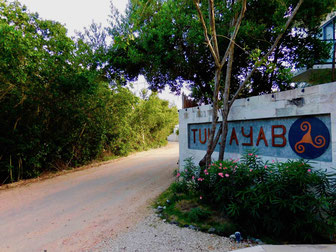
(152, 234)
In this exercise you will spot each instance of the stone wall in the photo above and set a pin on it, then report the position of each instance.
(174, 137)
(280, 108)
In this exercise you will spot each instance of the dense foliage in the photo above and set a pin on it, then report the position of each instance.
(56, 110)
(288, 202)
(222, 49)
(164, 41)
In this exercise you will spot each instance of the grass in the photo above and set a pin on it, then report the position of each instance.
(109, 157)
(315, 76)
(320, 77)
(182, 205)
(187, 209)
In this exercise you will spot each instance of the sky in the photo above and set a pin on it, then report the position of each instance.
(74, 14)
(77, 14)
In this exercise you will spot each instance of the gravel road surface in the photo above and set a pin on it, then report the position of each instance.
(80, 210)
(153, 235)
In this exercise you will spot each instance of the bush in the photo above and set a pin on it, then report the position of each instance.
(56, 110)
(289, 201)
(198, 214)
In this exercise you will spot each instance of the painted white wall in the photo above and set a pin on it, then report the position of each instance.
(318, 100)
(174, 137)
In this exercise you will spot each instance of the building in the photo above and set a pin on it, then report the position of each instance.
(326, 67)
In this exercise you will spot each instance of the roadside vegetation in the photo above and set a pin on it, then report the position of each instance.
(221, 50)
(315, 77)
(58, 110)
(276, 202)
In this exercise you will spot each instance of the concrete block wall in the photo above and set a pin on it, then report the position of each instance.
(174, 136)
(317, 100)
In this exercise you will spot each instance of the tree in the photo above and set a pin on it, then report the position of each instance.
(56, 109)
(227, 59)
(166, 45)
(91, 49)
(49, 102)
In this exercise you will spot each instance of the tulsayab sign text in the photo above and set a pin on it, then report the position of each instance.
(291, 137)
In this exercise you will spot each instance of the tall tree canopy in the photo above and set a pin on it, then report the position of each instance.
(223, 49)
(56, 108)
(163, 41)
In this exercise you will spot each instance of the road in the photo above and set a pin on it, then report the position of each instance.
(76, 211)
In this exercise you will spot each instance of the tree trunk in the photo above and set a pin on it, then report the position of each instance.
(211, 143)
(226, 102)
(213, 47)
(202, 163)
(223, 134)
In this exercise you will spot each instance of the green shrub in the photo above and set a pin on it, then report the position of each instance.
(226, 228)
(291, 201)
(198, 214)
(56, 112)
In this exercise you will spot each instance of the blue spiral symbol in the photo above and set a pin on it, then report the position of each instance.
(309, 137)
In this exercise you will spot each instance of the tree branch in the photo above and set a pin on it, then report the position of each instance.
(240, 47)
(205, 30)
(290, 19)
(235, 32)
(213, 27)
